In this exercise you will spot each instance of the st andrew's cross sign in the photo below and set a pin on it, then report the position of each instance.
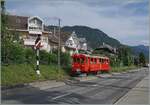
(37, 47)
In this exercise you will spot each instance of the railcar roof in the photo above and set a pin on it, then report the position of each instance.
(92, 56)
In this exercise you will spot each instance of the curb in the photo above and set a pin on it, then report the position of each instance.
(85, 78)
(14, 86)
(104, 75)
(137, 95)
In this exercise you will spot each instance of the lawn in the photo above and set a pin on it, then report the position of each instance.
(122, 68)
(25, 73)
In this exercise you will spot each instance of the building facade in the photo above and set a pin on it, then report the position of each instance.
(28, 28)
(73, 44)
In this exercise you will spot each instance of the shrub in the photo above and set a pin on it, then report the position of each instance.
(44, 57)
(48, 58)
(53, 59)
(16, 53)
(30, 55)
(65, 59)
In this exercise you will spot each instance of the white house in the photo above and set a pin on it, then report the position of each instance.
(28, 29)
(74, 44)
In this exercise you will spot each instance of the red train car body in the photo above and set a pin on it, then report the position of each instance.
(83, 63)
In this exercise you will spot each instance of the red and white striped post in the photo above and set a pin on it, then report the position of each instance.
(37, 48)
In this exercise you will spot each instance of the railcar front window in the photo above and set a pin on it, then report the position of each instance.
(74, 60)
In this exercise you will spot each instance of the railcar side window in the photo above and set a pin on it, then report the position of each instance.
(74, 59)
(99, 60)
(106, 61)
(78, 60)
(94, 60)
(82, 60)
(91, 60)
(102, 60)
(86, 60)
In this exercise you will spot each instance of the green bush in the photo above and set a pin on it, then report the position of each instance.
(30, 55)
(16, 53)
(48, 58)
(44, 57)
(65, 59)
(53, 59)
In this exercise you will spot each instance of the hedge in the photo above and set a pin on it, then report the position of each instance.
(17, 54)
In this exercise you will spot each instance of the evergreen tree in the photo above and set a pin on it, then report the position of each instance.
(5, 36)
(142, 60)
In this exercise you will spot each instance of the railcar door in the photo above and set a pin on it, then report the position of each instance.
(82, 64)
(100, 63)
(92, 64)
(97, 64)
(86, 64)
(105, 64)
(76, 64)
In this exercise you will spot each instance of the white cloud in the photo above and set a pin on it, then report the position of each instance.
(145, 42)
(110, 18)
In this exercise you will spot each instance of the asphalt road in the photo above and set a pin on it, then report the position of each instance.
(106, 90)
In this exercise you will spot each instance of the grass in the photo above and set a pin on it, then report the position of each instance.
(24, 73)
(122, 68)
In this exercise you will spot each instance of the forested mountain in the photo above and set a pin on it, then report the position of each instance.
(140, 48)
(94, 37)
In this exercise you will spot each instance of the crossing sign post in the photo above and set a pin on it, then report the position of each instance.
(37, 48)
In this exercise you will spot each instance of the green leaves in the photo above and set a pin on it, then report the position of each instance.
(142, 60)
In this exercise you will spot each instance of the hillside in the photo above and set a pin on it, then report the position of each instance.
(95, 37)
(140, 48)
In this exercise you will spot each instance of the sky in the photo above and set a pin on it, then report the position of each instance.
(124, 20)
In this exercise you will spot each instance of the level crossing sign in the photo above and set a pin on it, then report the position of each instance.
(37, 47)
(37, 43)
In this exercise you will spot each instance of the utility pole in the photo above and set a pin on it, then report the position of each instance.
(56, 18)
(59, 45)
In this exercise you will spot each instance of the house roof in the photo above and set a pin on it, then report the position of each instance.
(17, 22)
(20, 22)
(63, 37)
(75, 38)
(106, 47)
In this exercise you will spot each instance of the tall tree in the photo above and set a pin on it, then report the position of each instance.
(3, 18)
(142, 60)
(5, 36)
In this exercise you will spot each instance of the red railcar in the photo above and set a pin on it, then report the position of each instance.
(83, 63)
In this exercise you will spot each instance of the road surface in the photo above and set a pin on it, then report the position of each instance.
(104, 90)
